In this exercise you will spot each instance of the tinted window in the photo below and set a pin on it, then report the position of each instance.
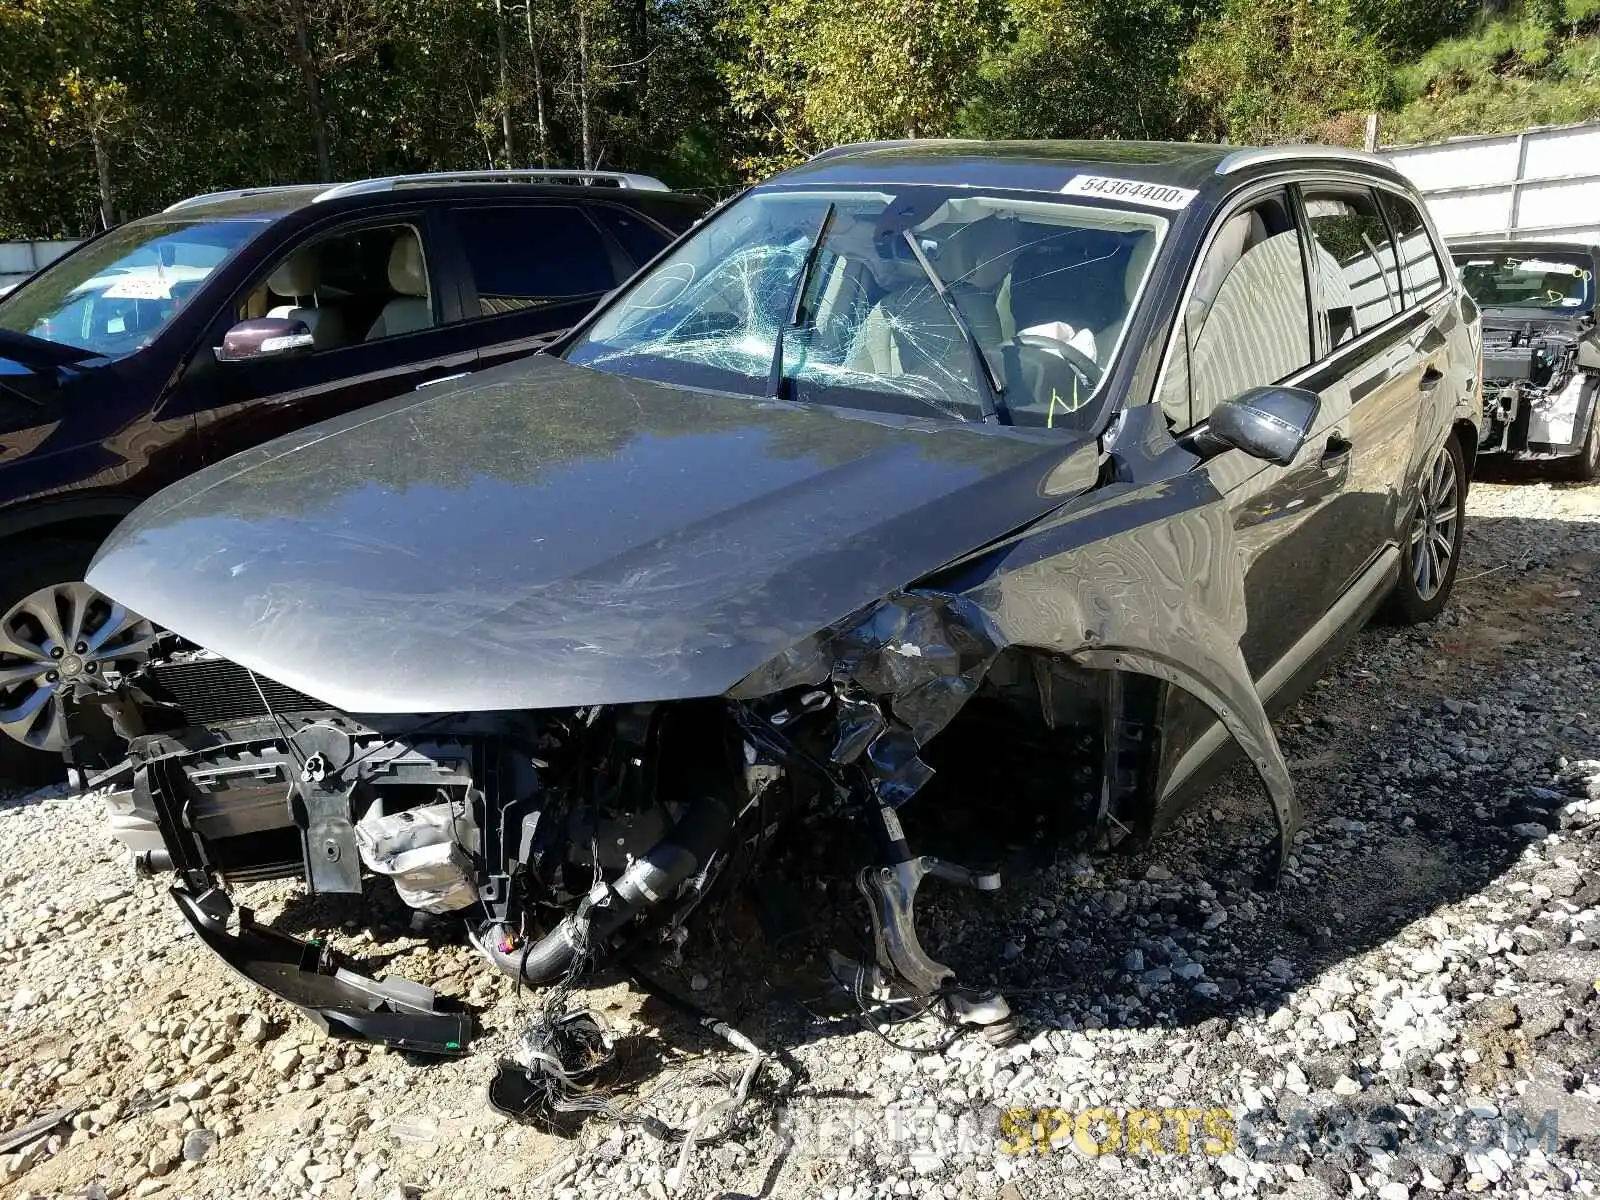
(521, 257)
(1246, 322)
(1419, 261)
(1359, 279)
(641, 240)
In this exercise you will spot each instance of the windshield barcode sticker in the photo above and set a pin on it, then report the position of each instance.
(1159, 195)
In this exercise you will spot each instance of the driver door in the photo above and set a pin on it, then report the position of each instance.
(382, 316)
(1247, 322)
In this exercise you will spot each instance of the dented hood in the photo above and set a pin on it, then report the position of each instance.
(548, 535)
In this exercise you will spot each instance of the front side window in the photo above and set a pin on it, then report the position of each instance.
(1359, 279)
(350, 286)
(1557, 282)
(529, 255)
(116, 295)
(1419, 260)
(1247, 321)
(925, 300)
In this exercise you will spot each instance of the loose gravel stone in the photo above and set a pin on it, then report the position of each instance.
(1392, 1022)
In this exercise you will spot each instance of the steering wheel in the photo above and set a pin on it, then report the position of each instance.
(1042, 388)
(1085, 367)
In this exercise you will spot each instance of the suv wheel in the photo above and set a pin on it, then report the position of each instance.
(1584, 467)
(1432, 550)
(54, 629)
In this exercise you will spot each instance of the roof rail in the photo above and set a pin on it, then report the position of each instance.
(619, 179)
(358, 187)
(235, 194)
(1253, 155)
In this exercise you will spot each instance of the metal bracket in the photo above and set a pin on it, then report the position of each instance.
(891, 895)
(333, 862)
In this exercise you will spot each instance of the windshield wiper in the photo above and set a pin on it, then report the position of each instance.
(792, 317)
(991, 394)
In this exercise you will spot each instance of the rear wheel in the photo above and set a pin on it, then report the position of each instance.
(1432, 550)
(54, 630)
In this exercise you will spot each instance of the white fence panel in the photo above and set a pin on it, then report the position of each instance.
(18, 260)
(1541, 183)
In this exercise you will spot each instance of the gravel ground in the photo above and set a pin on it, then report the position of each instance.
(1412, 1013)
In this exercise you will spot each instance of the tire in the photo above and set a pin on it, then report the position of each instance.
(30, 575)
(1431, 552)
(1584, 466)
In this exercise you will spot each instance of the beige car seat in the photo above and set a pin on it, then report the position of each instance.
(410, 310)
(1138, 263)
(1255, 331)
(296, 279)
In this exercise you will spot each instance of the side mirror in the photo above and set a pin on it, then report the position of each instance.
(264, 337)
(1266, 422)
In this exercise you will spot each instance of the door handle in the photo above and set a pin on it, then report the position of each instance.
(1336, 454)
(1430, 379)
(442, 379)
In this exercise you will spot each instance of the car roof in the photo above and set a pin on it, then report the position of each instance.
(272, 202)
(1045, 166)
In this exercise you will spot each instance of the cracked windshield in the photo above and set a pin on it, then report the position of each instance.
(925, 301)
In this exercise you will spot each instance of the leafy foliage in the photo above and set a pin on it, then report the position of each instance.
(112, 108)
(814, 73)
(1083, 68)
(1275, 70)
(1533, 68)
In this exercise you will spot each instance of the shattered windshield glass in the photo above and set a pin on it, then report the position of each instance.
(1045, 289)
(1543, 280)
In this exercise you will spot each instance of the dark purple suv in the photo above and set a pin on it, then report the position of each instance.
(176, 340)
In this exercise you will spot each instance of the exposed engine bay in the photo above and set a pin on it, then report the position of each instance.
(567, 838)
(1537, 396)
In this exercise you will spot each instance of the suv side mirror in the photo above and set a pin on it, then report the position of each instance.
(264, 337)
(1265, 422)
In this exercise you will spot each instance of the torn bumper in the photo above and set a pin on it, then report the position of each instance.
(392, 1011)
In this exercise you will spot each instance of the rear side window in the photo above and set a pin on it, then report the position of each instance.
(1358, 275)
(520, 257)
(641, 240)
(1419, 260)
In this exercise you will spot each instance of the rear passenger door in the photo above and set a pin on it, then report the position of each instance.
(529, 271)
(1376, 346)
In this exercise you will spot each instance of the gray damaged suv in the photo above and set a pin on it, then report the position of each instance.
(1082, 456)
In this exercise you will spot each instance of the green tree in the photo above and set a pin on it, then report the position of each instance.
(814, 73)
(1084, 68)
(1279, 70)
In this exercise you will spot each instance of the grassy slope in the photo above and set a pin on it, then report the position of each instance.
(1509, 76)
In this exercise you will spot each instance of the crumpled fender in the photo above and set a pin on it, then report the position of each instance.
(1146, 578)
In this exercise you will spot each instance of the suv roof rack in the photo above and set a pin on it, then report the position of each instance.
(236, 193)
(619, 179)
(1249, 156)
(387, 183)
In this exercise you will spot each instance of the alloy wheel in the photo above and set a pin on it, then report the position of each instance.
(54, 638)
(1433, 527)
